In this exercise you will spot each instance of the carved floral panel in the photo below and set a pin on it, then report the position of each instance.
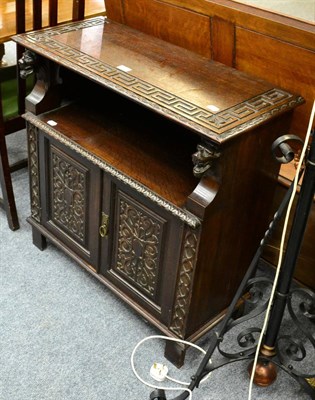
(68, 194)
(138, 249)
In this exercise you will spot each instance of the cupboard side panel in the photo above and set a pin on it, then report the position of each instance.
(236, 220)
(282, 64)
(163, 21)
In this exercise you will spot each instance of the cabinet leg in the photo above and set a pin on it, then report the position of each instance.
(175, 353)
(39, 240)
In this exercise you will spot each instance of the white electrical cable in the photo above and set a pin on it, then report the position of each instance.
(295, 182)
(177, 381)
(168, 377)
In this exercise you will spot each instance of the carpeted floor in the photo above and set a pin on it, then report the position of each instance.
(64, 336)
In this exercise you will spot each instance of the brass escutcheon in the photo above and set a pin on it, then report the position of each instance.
(103, 229)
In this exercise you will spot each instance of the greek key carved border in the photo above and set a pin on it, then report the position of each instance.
(34, 172)
(184, 283)
(47, 33)
(219, 126)
(180, 213)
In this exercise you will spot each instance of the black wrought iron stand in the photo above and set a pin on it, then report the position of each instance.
(253, 293)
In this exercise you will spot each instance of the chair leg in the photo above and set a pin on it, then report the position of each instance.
(8, 201)
(2, 63)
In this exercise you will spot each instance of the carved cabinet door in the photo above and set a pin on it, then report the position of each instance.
(140, 253)
(71, 201)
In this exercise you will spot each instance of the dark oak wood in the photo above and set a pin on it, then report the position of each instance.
(269, 46)
(279, 39)
(39, 240)
(1, 53)
(37, 14)
(151, 177)
(119, 135)
(53, 12)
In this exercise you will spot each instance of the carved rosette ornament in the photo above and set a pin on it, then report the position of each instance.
(203, 160)
(34, 171)
(184, 283)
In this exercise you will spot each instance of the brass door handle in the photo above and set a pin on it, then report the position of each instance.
(103, 229)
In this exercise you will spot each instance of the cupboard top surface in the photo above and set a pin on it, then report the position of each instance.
(216, 101)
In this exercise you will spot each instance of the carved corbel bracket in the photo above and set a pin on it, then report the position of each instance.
(46, 92)
(204, 159)
(27, 64)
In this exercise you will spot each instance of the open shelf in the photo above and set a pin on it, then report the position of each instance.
(138, 143)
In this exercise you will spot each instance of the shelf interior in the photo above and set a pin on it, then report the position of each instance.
(139, 143)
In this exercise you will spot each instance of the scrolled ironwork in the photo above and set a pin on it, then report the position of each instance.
(246, 337)
(306, 307)
(253, 302)
(294, 350)
(282, 147)
(246, 342)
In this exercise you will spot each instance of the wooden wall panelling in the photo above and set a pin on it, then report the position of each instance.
(293, 31)
(114, 10)
(283, 64)
(290, 30)
(223, 41)
(175, 25)
(178, 26)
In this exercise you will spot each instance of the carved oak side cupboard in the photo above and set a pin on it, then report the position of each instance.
(151, 166)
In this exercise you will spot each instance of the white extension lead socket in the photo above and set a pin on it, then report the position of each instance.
(158, 372)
